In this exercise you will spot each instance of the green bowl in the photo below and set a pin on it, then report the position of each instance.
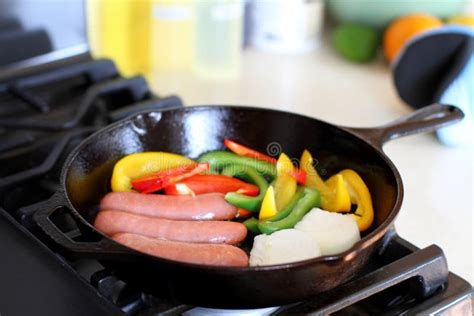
(378, 13)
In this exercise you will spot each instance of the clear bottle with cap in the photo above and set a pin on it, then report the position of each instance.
(217, 38)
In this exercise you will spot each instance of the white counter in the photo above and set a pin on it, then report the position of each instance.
(438, 180)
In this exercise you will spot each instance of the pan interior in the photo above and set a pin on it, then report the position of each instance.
(193, 131)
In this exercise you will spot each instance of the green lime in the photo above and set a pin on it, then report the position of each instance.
(357, 43)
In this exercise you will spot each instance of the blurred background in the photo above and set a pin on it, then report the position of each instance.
(230, 51)
(207, 38)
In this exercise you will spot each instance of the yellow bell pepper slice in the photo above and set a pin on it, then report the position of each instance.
(336, 198)
(285, 183)
(268, 208)
(140, 164)
(360, 195)
(334, 195)
(313, 180)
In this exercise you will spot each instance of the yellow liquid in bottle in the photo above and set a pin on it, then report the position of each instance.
(171, 35)
(120, 30)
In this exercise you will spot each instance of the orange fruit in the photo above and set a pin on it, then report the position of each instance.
(403, 29)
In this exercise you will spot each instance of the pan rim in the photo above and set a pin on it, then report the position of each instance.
(347, 255)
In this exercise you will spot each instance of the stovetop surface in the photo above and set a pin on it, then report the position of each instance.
(46, 114)
(37, 280)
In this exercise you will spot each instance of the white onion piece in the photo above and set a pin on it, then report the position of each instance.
(334, 232)
(284, 246)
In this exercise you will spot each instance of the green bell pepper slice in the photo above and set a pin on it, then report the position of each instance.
(251, 203)
(220, 159)
(252, 225)
(289, 207)
(310, 200)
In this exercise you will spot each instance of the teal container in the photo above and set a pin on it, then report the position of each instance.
(379, 13)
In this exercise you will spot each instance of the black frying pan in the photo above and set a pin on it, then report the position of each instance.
(192, 131)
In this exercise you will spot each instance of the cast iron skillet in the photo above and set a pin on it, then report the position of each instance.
(192, 131)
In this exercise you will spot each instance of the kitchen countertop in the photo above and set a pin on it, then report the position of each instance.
(438, 180)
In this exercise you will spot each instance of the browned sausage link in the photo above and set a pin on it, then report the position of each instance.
(201, 207)
(113, 222)
(207, 254)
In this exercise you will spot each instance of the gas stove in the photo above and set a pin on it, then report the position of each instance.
(45, 112)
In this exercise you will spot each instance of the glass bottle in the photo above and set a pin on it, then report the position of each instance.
(217, 38)
(171, 35)
(119, 29)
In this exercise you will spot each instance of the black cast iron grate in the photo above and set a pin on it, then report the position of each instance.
(45, 115)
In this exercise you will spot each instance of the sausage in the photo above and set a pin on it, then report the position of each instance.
(210, 206)
(207, 254)
(112, 222)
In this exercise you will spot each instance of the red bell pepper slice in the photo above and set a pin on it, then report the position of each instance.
(242, 150)
(243, 213)
(211, 183)
(300, 176)
(157, 181)
(179, 189)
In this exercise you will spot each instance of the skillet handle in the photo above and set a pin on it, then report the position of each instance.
(99, 246)
(426, 119)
